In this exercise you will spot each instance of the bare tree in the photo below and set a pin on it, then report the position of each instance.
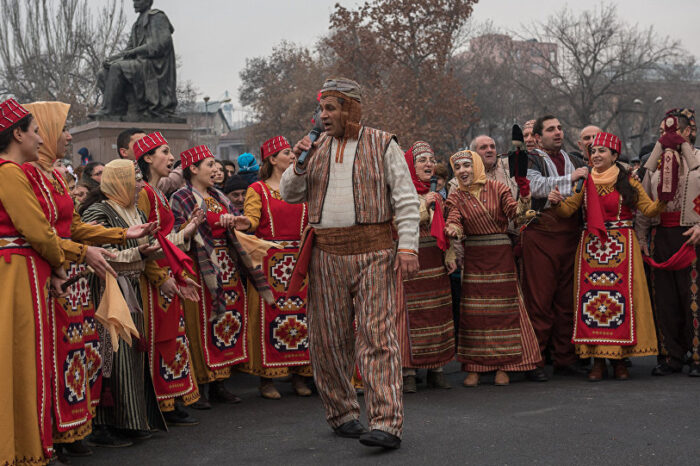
(599, 62)
(52, 50)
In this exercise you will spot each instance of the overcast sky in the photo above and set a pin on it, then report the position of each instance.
(214, 37)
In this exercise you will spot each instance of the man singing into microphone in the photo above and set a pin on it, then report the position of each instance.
(549, 247)
(355, 181)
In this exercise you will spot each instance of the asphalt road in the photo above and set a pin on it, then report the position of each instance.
(643, 421)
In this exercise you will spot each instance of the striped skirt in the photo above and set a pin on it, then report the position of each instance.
(429, 338)
(494, 329)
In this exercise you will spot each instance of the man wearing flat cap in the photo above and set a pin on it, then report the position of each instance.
(355, 181)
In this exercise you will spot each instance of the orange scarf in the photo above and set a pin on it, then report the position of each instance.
(607, 177)
(51, 118)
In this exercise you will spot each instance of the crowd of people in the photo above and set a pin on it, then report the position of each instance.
(134, 289)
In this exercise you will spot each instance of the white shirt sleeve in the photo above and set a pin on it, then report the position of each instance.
(293, 186)
(404, 198)
(541, 186)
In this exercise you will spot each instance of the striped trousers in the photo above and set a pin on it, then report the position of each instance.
(343, 289)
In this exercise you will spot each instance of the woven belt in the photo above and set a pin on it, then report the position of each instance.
(615, 224)
(357, 239)
(497, 239)
(670, 219)
(14, 242)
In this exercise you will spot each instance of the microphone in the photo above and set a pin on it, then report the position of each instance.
(313, 135)
(433, 188)
(579, 185)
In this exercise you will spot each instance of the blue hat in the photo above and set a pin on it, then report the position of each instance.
(247, 163)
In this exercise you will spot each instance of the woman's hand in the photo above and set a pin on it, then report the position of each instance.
(451, 267)
(58, 278)
(148, 249)
(169, 288)
(139, 231)
(189, 290)
(452, 231)
(241, 223)
(555, 197)
(196, 218)
(432, 198)
(96, 258)
(226, 221)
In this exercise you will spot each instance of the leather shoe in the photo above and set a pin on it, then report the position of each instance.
(350, 429)
(179, 417)
(437, 380)
(409, 384)
(219, 393)
(664, 368)
(694, 370)
(379, 438)
(599, 371)
(570, 370)
(621, 372)
(536, 375)
(471, 380)
(501, 379)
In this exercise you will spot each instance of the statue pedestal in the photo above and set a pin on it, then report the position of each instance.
(100, 137)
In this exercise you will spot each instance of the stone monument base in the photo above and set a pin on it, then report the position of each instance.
(100, 137)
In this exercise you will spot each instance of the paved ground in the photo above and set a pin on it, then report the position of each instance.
(644, 421)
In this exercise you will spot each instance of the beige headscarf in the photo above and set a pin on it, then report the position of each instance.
(479, 179)
(51, 118)
(119, 182)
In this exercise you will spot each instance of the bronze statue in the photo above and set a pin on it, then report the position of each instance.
(139, 83)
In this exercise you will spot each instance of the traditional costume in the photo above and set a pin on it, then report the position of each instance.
(425, 323)
(168, 348)
(217, 324)
(132, 403)
(674, 292)
(29, 248)
(355, 186)
(613, 316)
(548, 251)
(75, 344)
(278, 342)
(495, 332)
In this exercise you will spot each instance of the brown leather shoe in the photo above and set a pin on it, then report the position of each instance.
(268, 390)
(621, 372)
(300, 386)
(599, 370)
(219, 393)
(472, 379)
(501, 378)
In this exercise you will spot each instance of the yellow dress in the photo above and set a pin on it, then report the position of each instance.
(23, 294)
(646, 344)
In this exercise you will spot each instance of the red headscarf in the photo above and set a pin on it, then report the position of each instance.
(437, 228)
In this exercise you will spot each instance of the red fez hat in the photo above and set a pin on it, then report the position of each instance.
(274, 145)
(148, 143)
(608, 140)
(10, 113)
(194, 155)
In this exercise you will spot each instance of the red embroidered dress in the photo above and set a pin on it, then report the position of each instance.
(75, 343)
(168, 349)
(217, 342)
(613, 311)
(277, 334)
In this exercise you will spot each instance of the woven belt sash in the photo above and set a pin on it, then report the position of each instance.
(615, 225)
(357, 239)
(496, 239)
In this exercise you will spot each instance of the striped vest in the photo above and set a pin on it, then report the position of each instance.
(370, 187)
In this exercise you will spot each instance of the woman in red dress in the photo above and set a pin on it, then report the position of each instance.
(168, 348)
(278, 342)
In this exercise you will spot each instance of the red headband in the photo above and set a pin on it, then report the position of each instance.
(10, 113)
(194, 155)
(608, 140)
(273, 146)
(148, 143)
